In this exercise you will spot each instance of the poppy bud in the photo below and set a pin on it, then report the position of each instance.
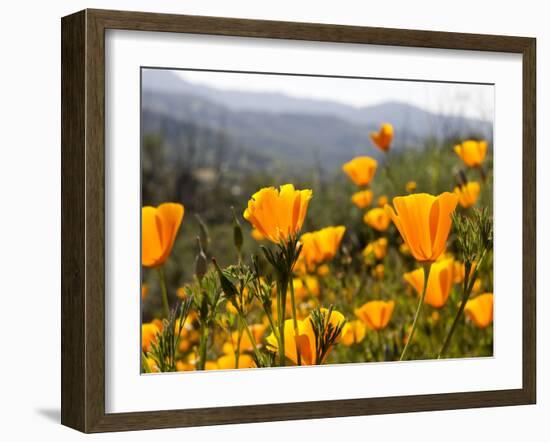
(201, 263)
(237, 232)
(227, 286)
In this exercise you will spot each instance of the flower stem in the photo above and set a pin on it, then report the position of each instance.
(237, 350)
(272, 324)
(427, 268)
(250, 337)
(380, 345)
(202, 346)
(361, 286)
(453, 327)
(467, 290)
(294, 319)
(163, 291)
(281, 324)
(482, 174)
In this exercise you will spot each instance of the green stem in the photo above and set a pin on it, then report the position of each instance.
(237, 350)
(202, 346)
(467, 291)
(362, 283)
(281, 324)
(272, 324)
(453, 327)
(427, 268)
(380, 346)
(163, 291)
(482, 174)
(250, 337)
(294, 318)
(389, 175)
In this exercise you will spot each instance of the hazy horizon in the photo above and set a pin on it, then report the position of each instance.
(468, 100)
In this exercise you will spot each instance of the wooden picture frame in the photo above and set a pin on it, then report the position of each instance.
(83, 219)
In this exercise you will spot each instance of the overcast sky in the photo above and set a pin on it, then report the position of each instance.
(455, 99)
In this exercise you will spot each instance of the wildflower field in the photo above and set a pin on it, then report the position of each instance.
(382, 259)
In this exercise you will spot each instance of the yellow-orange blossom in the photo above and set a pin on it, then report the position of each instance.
(278, 214)
(376, 314)
(480, 310)
(159, 226)
(383, 138)
(472, 152)
(468, 193)
(440, 282)
(424, 222)
(361, 170)
(304, 340)
(321, 245)
(362, 199)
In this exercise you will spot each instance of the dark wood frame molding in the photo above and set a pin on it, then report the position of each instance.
(83, 216)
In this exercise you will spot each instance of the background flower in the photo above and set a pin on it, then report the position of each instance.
(376, 314)
(159, 227)
(377, 218)
(410, 187)
(468, 193)
(440, 282)
(362, 199)
(321, 245)
(382, 200)
(361, 170)
(383, 138)
(305, 340)
(149, 334)
(353, 332)
(480, 310)
(472, 152)
(376, 249)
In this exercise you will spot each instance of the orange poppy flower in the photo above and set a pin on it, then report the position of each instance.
(383, 138)
(362, 199)
(472, 152)
(278, 214)
(305, 340)
(159, 227)
(410, 187)
(361, 170)
(375, 249)
(480, 310)
(382, 200)
(424, 222)
(321, 245)
(149, 332)
(440, 282)
(377, 218)
(468, 193)
(353, 332)
(376, 314)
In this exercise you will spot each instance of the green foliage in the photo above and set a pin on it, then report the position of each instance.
(165, 347)
(326, 333)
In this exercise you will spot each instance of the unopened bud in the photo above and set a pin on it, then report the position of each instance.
(237, 232)
(201, 262)
(227, 286)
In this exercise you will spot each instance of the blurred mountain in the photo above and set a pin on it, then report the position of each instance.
(281, 127)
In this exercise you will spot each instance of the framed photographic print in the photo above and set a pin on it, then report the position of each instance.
(268, 220)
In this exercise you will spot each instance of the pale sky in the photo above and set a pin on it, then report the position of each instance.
(467, 100)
